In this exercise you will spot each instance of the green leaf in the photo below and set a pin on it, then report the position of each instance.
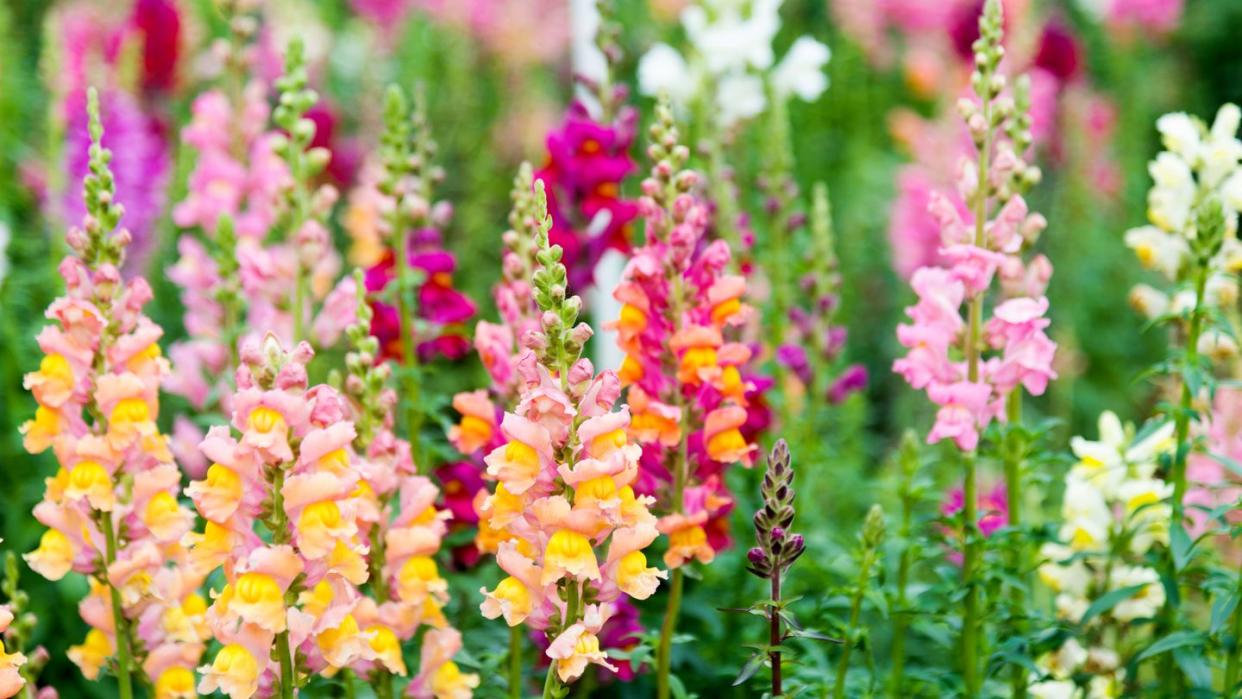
(1195, 666)
(1181, 546)
(811, 634)
(1222, 608)
(678, 689)
(1107, 601)
(749, 669)
(1228, 462)
(1177, 639)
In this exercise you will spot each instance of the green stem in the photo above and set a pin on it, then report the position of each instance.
(897, 679)
(286, 664)
(1168, 616)
(969, 641)
(774, 632)
(515, 662)
(970, 613)
(843, 664)
(1017, 562)
(125, 689)
(664, 656)
(1232, 669)
(414, 415)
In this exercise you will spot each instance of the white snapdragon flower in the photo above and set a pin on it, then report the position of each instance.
(1158, 249)
(734, 40)
(1143, 604)
(1053, 689)
(801, 71)
(739, 96)
(1222, 289)
(1181, 134)
(1149, 301)
(1087, 516)
(1217, 346)
(1221, 150)
(1172, 195)
(1060, 573)
(732, 56)
(663, 71)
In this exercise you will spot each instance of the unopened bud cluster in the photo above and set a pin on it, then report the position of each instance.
(778, 547)
(999, 110)
(561, 338)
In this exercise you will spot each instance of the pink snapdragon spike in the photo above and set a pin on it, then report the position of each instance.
(569, 562)
(403, 530)
(967, 367)
(937, 144)
(588, 162)
(500, 347)
(97, 387)
(231, 273)
(682, 307)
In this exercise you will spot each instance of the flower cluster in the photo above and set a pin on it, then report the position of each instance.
(946, 352)
(777, 547)
(249, 176)
(1115, 509)
(111, 509)
(392, 216)
(136, 53)
(500, 347)
(689, 386)
(813, 323)
(588, 160)
(939, 59)
(1198, 162)
(16, 670)
(290, 605)
(402, 529)
(568, 527)
(732, 61)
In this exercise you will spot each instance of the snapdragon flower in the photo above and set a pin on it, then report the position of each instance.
(396, 225)
(947, 352)
(248, 177)
(1114, 512)
(569, 527)
(689, 381)
(403, 531)
(1198, 161)
(112, 509)
(733, 62)
(290, 605)
(130, 53)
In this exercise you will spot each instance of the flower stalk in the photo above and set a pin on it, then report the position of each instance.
(778, 548)
(872, 537)
(908, 460)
